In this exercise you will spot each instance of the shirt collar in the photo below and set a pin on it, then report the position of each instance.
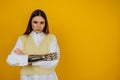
(36, 34)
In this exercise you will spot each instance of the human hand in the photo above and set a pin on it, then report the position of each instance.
(18, 51)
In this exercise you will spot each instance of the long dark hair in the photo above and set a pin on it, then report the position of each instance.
(37, 13)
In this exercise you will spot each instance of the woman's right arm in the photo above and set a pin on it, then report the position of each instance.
(15, 59)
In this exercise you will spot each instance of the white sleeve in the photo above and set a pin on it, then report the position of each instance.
(17, 60)
(50, 64)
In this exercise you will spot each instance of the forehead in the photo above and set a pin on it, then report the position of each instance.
(38, 18)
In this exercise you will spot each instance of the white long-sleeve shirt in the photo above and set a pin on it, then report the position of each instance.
(22, 60)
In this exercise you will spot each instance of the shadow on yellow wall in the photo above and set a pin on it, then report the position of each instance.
(87, 33)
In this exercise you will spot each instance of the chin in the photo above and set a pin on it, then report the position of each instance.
(38, 31)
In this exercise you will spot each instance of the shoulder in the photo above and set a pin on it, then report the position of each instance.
(51, 36)
(22, 37)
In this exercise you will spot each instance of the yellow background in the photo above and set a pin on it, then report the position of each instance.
(88, 33)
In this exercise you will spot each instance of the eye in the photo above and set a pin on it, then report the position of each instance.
(42, 22)
(35, 22)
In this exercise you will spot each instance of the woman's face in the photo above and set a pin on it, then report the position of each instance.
(38, 24)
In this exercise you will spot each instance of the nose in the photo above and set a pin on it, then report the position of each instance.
(38, 25)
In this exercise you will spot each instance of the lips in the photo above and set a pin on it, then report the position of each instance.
(38, 30)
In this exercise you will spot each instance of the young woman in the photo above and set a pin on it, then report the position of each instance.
(36, 51)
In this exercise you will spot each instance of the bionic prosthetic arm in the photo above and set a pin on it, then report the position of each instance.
(45, 57)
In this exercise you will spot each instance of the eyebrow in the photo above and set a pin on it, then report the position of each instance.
(40, 21)
(36, 21)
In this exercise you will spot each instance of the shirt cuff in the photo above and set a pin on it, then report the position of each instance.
(23, 60)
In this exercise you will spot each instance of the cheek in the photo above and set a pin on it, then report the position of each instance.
(33, 25)
(43, 26)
